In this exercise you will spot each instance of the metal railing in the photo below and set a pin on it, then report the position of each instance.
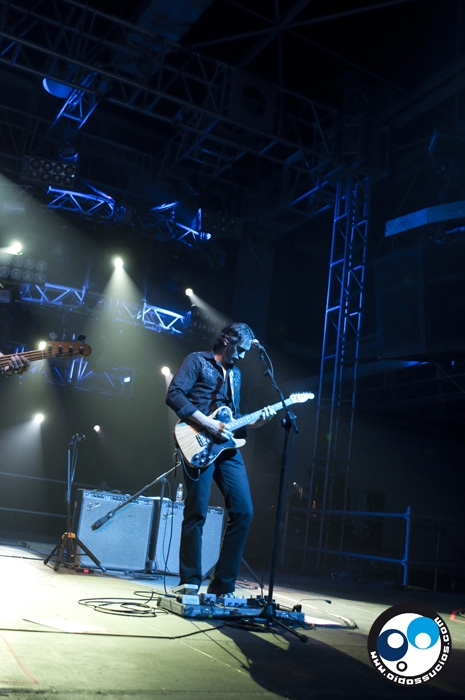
(421, 544)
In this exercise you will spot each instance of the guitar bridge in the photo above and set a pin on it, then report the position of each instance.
(202, 439)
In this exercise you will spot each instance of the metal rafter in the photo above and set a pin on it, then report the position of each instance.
(160, 79)
(298, 193)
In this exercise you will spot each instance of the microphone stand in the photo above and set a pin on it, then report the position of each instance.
(269, 614)
(69, 544)
(111, 513)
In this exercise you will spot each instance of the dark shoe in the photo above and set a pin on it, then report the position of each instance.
(185, 589)
(214, 591)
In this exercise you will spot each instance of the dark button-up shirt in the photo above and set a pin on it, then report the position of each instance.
(199, 384)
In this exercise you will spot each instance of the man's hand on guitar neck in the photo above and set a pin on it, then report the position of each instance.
(17, 365)
(266, 414)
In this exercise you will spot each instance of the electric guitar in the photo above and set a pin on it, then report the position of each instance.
(53, 349)
(200, 448)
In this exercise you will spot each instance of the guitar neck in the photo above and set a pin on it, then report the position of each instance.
(252, 417)
(53, 349)
(31, 355)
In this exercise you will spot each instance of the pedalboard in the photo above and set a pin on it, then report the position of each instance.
(208, 606)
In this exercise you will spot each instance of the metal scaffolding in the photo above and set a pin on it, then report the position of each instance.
(329, 476)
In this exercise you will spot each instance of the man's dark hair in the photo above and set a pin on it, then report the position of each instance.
(233, 333)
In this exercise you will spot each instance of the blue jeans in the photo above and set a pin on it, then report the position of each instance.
(228, 471)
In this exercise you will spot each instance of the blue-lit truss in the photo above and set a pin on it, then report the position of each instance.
(80, 104)
(146, 315)
(79, 374)
(116, 380)
(340, 355)
(97, 205)
(53, 295)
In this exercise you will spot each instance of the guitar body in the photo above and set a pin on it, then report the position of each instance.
(199, 447)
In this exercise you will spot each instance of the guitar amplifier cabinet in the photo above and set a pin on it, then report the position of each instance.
(168, 521)
(122, 542)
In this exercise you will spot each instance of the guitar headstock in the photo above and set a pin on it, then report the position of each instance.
(302, 396)
(63, 348)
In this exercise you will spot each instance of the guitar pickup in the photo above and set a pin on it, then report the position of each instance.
(202, 439)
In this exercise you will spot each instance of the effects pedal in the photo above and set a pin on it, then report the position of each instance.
(207, 598)
(189, 599)
(233, 602)
(185, 589)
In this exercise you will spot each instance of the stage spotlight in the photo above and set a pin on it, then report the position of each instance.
(118, 263)
(53, 87)
(165, 371)
(15, 248)
(28, 270)
(69, 154)
(43, 171)
(97, 429)
(39, 418)
(189, 292)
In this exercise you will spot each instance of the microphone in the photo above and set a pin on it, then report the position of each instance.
(257, 344)
(102, 521)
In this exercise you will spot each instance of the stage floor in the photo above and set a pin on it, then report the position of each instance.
(68, 634)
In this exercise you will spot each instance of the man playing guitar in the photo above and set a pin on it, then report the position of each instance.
(204, 382)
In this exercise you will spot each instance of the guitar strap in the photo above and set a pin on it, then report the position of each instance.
(231, 387)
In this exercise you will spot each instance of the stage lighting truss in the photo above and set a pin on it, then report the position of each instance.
(152, 317)
(80, 104)
(96, 203)
(99, 205)
(114, 380)
(157, 319)
(53, 295)
(168, 229)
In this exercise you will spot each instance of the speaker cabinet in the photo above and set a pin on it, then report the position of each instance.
(420, 299)
(168, 522)
(122, 542)
(399, 298)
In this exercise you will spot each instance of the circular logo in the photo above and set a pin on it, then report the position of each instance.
(409, 644)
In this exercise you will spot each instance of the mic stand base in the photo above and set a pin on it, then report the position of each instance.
(271, 615)
(67, 553)
(68, 547)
